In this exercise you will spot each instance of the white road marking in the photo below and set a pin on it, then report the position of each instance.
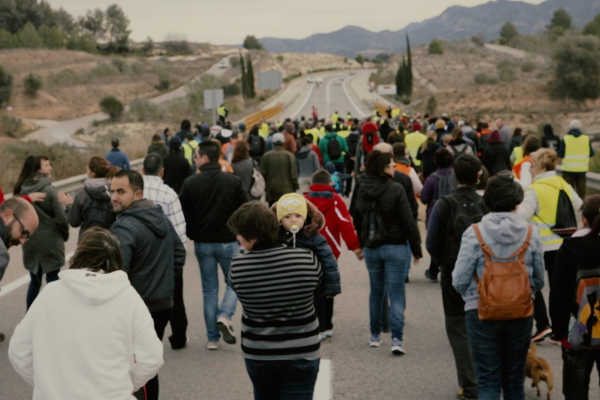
(295, 114)
(323, 389)
(17, 283)
(360, 112)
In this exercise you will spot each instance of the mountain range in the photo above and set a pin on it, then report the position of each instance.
(454, 23)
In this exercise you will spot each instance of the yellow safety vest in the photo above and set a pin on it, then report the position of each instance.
(395, 112)
(577, 154)
(221, 111)
(334, 118)
(518, 153)
(348, 117)
(413, 141)
(547, 190)
(344, 133)
(264, 130)
(188, 152)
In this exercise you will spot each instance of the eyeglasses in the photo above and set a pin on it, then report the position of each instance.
(25, 234)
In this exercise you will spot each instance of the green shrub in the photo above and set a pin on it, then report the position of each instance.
(143, 110)
(280, 58)
(528, 66)
(232, 89)
(482, 78)
(577, 68)
(435, 47)
(477, 40)
(112, 106)
(6, 82)
(84, 42)
(101, 71)
(65, 77)
(163, 84)
(506, 71)
(7, 40)
(28, 37)
(11, 126)
(119, 64)
(32, 84)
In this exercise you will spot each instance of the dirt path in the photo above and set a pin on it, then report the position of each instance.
(516, 53)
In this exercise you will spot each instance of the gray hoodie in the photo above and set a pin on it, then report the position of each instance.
(504, 233)
(92, 206)
(306, 161)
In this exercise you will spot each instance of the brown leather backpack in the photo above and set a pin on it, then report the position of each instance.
(504, 289)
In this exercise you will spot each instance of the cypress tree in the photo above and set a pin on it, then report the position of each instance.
(250, 77)
(409, 74)
(244, 77)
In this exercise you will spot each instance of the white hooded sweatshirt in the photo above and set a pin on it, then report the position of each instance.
(87, 336)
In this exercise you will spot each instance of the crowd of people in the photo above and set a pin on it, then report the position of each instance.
(270, 208)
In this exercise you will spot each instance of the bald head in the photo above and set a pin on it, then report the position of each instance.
(383, 147)
(20, 218)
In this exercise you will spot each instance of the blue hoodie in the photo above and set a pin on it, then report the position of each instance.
(504, 233)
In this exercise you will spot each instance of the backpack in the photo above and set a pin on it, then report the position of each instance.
(257, 189)
(584, 328)
(98, 213)
(334, 149)
(352, 140)
(255, 145)
(504, 289)
(373, 225)
(446, 184)
(566, 222)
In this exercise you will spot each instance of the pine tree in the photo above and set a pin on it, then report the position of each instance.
(244, 77)
(409, 73)
(250, 77)
(401, 78)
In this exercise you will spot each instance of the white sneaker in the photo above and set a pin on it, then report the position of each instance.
(328, 334)
(375, 342)
(398, 350)
(225, 326)
(212, 345)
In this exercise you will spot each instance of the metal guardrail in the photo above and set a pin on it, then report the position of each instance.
(265, 114)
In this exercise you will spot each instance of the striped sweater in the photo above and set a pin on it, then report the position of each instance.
(275, 287)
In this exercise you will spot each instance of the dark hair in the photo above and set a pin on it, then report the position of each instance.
(99, 166)
(466, 169)
(156, 137)
(174, 145)
(377, 162)
(443, 158)
(210, 149)
(518, 132)
(98, 250)
(16, 204)
(399, 150)
(306, 139)
(255, 221)
(503, 193)
(254, 130)
(591, 212)
(114, 142)
(31, 166)
(152, 164)
(136, 181)
(321, 177)
(186, 125)
(310, 136)
(241, 151)
(531, 144)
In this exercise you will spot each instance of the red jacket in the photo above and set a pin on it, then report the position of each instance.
(338, 222)
(317, 151)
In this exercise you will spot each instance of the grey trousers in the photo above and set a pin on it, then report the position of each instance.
(456, 329)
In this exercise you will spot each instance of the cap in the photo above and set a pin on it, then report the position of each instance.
(575, 124)
(291, 203)
(226, 133)
(369, 127)
(278, 138)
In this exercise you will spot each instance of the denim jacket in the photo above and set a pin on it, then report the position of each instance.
(504, 233)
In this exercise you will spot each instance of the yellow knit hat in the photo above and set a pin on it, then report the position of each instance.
(291, 203)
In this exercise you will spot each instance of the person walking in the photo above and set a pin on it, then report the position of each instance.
(575, 152)
(522, 169)
(280, 341)
(92, 205)
(98, 360)
(256, 143)
(278, 167)
(158, 146)
(450, 217)
(161, 194)
(333, 147)
(116, 157)
(495, 155)
(243, 165)
(151, 251)
(208, 199)
(502, 239)
(307, 164)
(388, 233)
(177, 168)
(44, 252)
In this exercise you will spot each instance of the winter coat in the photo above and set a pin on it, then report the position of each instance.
(158, 148)
(496, 158)
(425, 155)
(459, 147)
(117, 158)
(244, 169)
(208, 199)
(504, 233)
(323, 144)
(307, 162)
(103, 348)
(430, 193)
(151, 252)
(45, 249)
(278, 167)
(338, 222)
(92, 206)
(393, 208)
(177, 168)
(259, 148)
(310, 238)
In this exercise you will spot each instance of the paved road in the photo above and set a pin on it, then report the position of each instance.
(350, 370)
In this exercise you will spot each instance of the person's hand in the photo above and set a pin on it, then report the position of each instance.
(359, 253)
(416, 261)
(36, 197)
(65, 198)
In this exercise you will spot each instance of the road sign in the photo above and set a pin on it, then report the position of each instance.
(386, 89)
(213, 98)
(269, 80)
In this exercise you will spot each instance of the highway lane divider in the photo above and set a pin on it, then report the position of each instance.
(267, 114)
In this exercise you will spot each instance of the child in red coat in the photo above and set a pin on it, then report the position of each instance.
(338, 226)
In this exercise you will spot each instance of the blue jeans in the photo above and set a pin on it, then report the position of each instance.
(283, 379)
(387, 266)
(36, 284)
(209, 255)
(499, 351)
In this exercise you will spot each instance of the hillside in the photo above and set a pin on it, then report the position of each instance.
(454, 23)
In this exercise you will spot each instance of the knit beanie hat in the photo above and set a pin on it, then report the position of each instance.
(291, 203)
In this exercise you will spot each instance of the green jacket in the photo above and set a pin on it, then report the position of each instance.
(278, 167)
(323, 147)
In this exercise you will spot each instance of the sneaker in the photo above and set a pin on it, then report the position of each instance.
(541, 335)
(375, 342)
(397, 348)
(177, 344)
(430, 277)
(226, 328)
(212, 345)
(328, 334)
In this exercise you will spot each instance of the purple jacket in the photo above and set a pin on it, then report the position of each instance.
(430, 193)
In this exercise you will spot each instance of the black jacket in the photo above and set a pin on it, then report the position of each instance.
(177, 168)
(393, 208)
(151, 251)
(208, 199)
(496, 158)
(575, 254)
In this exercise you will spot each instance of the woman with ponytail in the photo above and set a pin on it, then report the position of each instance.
(577, 271)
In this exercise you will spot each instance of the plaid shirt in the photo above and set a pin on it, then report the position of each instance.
(167, 199)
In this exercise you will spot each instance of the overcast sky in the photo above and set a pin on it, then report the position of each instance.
(229, 21)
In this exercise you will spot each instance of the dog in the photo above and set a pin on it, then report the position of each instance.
(538, 370)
